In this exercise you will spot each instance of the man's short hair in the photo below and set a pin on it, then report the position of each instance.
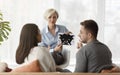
(91, 26)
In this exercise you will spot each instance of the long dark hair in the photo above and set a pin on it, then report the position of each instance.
(28, 39)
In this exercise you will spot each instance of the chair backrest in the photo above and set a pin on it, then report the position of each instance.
(66, 54)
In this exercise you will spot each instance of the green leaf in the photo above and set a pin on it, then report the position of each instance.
(1, 19)
(9, 29)
(4, 35)
(6, 25)
(1, 38)
(6, 31)
(1, 14)
(6, 22)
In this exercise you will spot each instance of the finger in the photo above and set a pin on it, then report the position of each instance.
(59, 44)
(79, 45)
(80, 40)
(68, 32)
(48, 46)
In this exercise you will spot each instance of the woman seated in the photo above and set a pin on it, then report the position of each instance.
(28, 50)
(50, 36)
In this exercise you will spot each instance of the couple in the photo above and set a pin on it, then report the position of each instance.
(92, 57)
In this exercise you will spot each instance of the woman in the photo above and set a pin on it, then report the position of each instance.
(50, 35)
(28, 50)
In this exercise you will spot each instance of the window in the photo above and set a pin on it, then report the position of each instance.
(72, 12)
(20, 12)
(112, 28)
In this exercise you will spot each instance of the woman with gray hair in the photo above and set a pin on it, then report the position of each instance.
(50, 35)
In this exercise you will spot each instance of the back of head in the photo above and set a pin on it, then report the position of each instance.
(27, 41)
(91, 26)
(49, 12)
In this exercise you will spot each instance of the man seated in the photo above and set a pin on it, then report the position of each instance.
(94, 56)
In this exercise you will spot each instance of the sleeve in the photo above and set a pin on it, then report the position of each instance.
(42, 43)
(81, 61)
(66, 30)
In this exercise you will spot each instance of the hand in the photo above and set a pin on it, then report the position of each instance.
(68, 32)
(58, 48)
(115, 69)
(79, 44)
(48, 47)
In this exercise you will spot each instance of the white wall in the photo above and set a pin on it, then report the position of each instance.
(72, 12)
(112, 28)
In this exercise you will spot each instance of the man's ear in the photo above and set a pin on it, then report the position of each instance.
(89, 35)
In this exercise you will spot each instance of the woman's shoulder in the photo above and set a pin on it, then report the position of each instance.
(37, 52)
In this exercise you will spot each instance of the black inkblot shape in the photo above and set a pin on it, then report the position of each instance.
(66, 39)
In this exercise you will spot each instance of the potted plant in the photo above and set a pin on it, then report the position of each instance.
(4, 29)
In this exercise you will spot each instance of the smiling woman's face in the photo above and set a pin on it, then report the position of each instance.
(52, 19)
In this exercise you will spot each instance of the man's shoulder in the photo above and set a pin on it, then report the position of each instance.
(101, 44)
(88, 48)
(94, 43)
(97, 46)
(82, 49)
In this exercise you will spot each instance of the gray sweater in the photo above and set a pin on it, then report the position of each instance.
(93, 57)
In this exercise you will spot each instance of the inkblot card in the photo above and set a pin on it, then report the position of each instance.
(66, 39)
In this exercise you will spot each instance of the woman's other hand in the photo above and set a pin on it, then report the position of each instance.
(68, 32)
(58, 48)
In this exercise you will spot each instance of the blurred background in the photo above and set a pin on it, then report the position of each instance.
(72, 12)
